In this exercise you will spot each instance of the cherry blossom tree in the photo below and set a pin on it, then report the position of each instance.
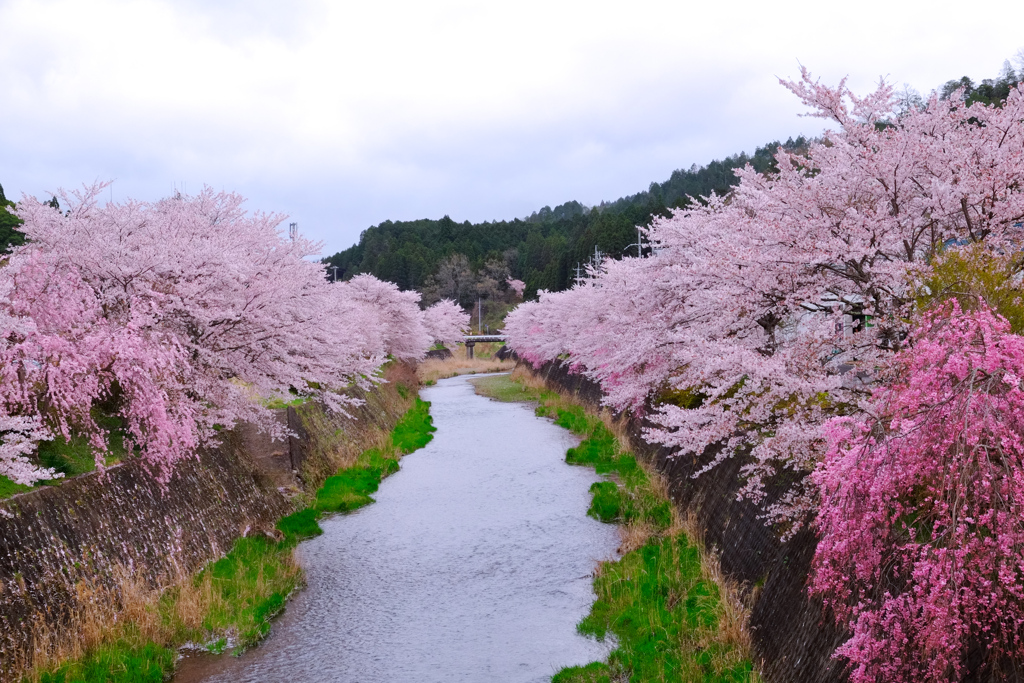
(763, 316)
(922, 506)
(743, 308)
(446, 322)
(172, 315)
(21, 437)
(517, 286)
(399, 319)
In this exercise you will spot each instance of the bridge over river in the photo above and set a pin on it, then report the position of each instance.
(470, 340)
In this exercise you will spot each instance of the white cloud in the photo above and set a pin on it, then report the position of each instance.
(346, 114)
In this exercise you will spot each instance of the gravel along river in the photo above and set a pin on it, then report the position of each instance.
(474, 564)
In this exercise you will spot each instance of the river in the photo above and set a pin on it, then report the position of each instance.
(474, 564)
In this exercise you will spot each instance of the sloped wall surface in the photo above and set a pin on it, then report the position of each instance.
(93, 525)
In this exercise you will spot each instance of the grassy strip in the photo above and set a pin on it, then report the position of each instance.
(71, 457)
(230, 603)
(432, 369)
(146, 664)
(659, 601)
(278, 402)
(512, 389)
(656, 601)
(350, 488)
(131, 636)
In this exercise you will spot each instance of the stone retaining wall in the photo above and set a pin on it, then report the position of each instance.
(89, 527)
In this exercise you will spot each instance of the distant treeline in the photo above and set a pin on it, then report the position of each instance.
(990, 90)
(543, 249)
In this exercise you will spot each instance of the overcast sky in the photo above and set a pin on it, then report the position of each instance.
(343, 115)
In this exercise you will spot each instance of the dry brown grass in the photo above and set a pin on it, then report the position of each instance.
(735, 602)
(529, 379)
(125, 611)
(336, 441)
(634, 535)
(94, 610)
(130, 612)
(432, 369)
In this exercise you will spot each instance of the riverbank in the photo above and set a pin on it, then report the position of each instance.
(671, 612)
(350, 488)
(473, 564)
(431, 370)
(124, 628)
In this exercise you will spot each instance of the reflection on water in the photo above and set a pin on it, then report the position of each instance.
(473, 565)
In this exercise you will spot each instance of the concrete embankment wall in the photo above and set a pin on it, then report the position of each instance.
(91, 526)
(54, 540)
(793, 638)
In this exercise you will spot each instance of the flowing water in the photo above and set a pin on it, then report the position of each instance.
(473, 565)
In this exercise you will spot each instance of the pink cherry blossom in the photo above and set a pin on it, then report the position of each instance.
(446, 322)
(781, 314)
(177, 316)
(922, 506)
(399, 321)
(740, 303)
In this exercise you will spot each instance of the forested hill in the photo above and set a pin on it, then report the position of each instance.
(543, 249)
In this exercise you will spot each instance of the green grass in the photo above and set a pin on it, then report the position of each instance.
(629, 497)
(240, 593)
(117, 664)
(300, 525)
(8, 488)
(251, 583)
(661, 612)
(72, 457)
(504, 388)
(414, 430)
(243, 591)
(351, 487)
(278, 402)
(655, 601)
(69, 457)
(75, 456)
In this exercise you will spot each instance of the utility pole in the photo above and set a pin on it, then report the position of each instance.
(293, 231)
(639, 243)
(479, 316)
(335, 268)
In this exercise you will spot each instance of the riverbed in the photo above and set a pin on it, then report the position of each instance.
(474, 564)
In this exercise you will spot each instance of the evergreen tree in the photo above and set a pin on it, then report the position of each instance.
(9, 234)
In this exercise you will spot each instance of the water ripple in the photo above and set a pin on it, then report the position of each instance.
(473, 564)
